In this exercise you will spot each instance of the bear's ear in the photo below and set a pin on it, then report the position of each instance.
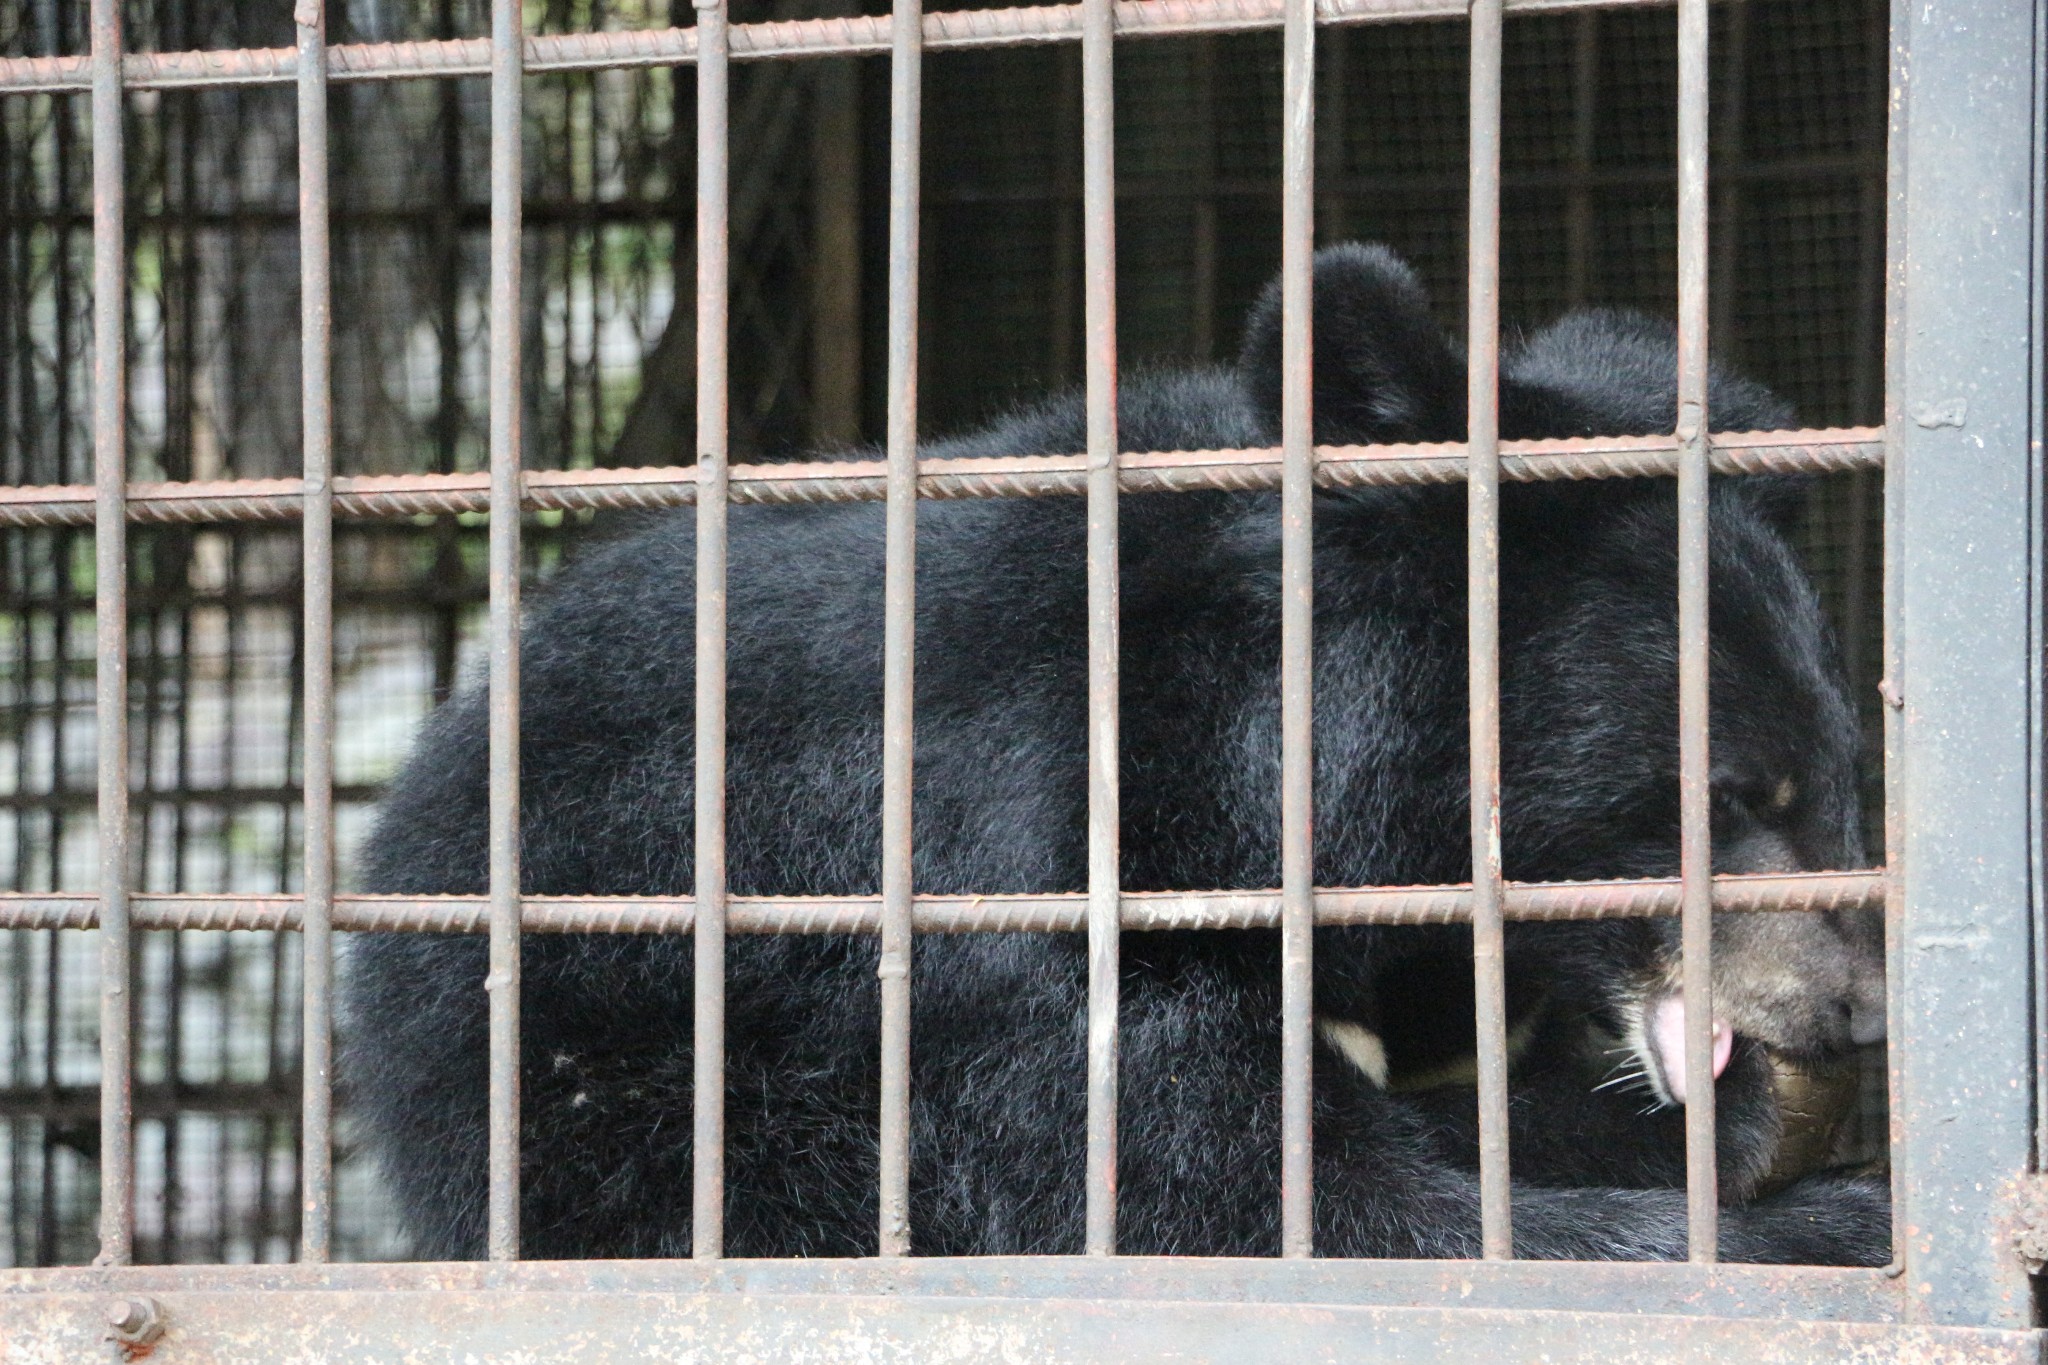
(1384, 371)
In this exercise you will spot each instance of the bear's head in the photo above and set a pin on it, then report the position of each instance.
(1589, 662)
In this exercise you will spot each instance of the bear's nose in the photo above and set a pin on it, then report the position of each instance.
(1866, 1022)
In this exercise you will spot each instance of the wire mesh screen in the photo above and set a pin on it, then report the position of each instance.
(1588, 218)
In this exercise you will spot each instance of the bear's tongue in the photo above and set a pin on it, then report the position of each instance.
(1667, 1035)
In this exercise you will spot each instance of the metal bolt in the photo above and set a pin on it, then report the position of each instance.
(136, 1321)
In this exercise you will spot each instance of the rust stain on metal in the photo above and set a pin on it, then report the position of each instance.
(2023, 1224)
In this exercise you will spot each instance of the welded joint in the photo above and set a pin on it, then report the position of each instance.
(136, 1323)
(1692, 423)
(308, 13)
(1952, 412)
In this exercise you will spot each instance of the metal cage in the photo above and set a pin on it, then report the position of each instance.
(1961, 448)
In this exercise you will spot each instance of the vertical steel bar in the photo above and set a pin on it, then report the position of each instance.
(1482, 551)
(507, 58)
(1696, 867)
(707, 1216)
(1965, 382)
(906, 63)
(1297, 498)
(1098, 199)
(110, 606)
(316, 944)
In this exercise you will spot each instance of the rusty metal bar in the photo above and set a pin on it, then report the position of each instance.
(906, 75)
(110, 609)
(1482, 555)
(1059, 912)
(399, 496)
(1098, 203)
(502, 983)
(1297, 505)
(707, 1150)
(316, 294)
(1696, 858)
(844, 37)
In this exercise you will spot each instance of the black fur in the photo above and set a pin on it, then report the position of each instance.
(999, 1020)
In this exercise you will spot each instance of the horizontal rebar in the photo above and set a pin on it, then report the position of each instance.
(386, 496)
(843, 37)
(1003, 914)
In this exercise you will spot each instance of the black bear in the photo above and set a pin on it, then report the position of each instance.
(1589, 718)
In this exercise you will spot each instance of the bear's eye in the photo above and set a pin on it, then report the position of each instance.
(1753, 800)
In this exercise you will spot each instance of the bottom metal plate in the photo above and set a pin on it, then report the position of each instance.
(533, 1326)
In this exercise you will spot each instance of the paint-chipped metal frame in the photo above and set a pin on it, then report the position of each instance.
(1963, 892)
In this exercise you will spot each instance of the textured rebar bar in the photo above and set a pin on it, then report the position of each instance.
(844, 37)
(1482, 558)
(316, 947)
(399, 496)
(1067, 912)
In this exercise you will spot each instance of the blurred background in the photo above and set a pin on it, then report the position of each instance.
(1588, 218)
